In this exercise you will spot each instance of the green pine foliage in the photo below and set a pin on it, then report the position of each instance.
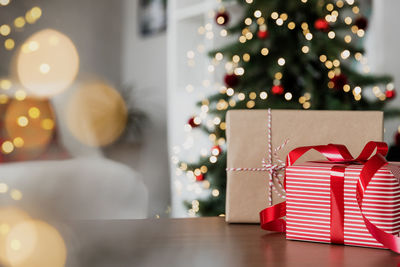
(319, 70)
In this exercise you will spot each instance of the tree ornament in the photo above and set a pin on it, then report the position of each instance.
(397, 138)
(339, 81)
(222, 18)
(231, 80)
(193, 123)
(390, 94)
(277, 90)
(361, 23)
(200, 177)
(216, 150)
(321, 25)
(262, 34)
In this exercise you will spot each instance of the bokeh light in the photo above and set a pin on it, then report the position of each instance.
(29, 125)
(47, 62)
(4, 2)
(96, 114)
(9, 44)
(5, 84)
(19, 22)
(9, 217)
(7, 147)
(36, 12)
(5, 29)
(35, 243)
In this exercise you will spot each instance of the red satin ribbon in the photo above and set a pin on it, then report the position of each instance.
(272, 217)
(337, 204)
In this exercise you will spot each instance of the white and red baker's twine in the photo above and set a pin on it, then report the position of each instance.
(272, 169)
(271, 172)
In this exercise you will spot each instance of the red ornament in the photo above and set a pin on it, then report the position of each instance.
(200, 177)
(397, 138)
(321, 25)
(222, 18)
(390, 94)
(216, 150)
(277, 90)
(231, 80)
(339, 81)
(361, 23)
(192, 123)
(262, 34)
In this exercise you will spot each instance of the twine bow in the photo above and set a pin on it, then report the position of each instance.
(276, 173)
(275, 166)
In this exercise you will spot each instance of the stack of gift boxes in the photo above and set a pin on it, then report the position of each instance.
(322, 200)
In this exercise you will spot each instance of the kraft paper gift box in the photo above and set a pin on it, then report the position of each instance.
(247, 141)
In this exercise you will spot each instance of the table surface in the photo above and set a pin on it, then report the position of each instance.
(203, 242)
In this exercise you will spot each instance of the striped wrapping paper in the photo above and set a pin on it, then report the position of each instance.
(308, 204)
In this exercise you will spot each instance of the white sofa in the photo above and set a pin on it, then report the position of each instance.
(78, 188)
(87, 186)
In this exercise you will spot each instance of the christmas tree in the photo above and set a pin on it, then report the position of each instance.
(295, 54)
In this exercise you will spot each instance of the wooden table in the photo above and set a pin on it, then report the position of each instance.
(203, 242)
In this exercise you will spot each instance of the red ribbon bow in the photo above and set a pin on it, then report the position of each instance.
(272, 217)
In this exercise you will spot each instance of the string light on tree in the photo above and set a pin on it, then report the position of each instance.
(222, 17)
(331, 35)
(345, 54)
(305, 49)
(281, 61)
(216, 150)
(288, 96)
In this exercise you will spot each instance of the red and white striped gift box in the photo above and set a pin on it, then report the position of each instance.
(308, 207)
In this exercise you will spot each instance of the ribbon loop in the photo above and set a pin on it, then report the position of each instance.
(367, 152)
(331, 152)
(370, 168)
(270, 215)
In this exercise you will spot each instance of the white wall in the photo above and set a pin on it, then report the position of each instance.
(144, 67)
(383, 50)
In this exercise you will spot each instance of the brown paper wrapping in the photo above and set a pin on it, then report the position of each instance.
(247, 136)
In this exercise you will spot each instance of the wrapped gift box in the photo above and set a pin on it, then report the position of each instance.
(308, 204)
(247, 136)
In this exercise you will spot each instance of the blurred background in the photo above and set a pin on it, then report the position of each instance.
(97, 62)
(105, 105)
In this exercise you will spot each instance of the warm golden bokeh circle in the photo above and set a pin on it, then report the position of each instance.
(29, 125)
(47, 63)
(9, 217)
(96, 114)
(35, 243)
